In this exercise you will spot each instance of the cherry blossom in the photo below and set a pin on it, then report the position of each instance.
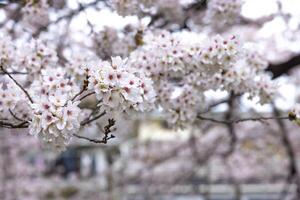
(55, 124)
(119, 85)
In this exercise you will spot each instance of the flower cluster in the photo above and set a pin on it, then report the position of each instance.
(221, 63)
(7, 50)
(53, 81)
(77, 64)
(220, 53)
(167, 71)
(34, 56)
(121, 87)
(183, 108)
(223, 12)
(55, 116)
(48, 99)
(55, 120)
(249, 76)
(254, 60)
(35, 14)
(13, 103)
(163, 56)
(27, 57)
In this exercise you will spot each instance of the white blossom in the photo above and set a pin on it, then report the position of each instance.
(119, 85)
(55, 124)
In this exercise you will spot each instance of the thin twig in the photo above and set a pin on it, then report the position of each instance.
(23, 124)
(107, 136)
(84, 87)
(14, 72)
(88, 94)
(87, 121)
(220, 121)
(18, 84)
(79, 93)
(214, 104)
(94, 140)
(17, 118)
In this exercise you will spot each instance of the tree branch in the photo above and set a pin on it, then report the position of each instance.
(17, 118)
(230, 121)
(23, 124)
(16, 82)
(293, 169)
(14, 72)
(84, 88)
(87, 95)
(88, 120)
(107, 136)
(284, 67)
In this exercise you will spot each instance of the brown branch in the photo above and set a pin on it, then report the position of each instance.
(197, 6)
(18, 84)
(79, 93)
(232, 144)
(293, 169)
(230, 126)
(103, 141)
(88, 120)
(107, 136)
(17, 118)
(84, 88)
(13, 72)
(229, 121)
(23, 124)
(214, 104)
(284, 67)
(88, 94)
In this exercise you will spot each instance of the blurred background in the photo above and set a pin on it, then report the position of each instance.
(152, 161)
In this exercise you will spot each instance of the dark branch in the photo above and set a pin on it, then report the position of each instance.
(89, 120)
(18, 84)
(230, 121)
(284, 67)
(293, 169)
(197, 6)
(107, 136)
(84, 88)
(230, 126)
(17, 118)
(23, 124)
(14, 72)
(87, 95)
